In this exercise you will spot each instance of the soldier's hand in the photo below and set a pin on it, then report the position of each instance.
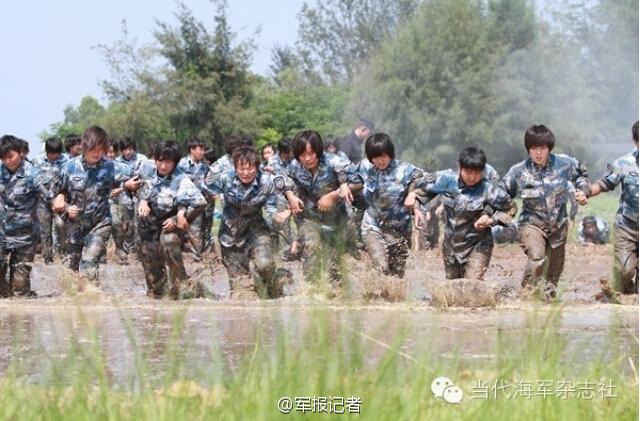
(327, 201)
(295, 203)
(143, 209)
(168, 225)
(58, 203)
(484, 222)
(133, 184)
(73, 211)
(115, 192)
(345, 193)
(281, 217)
(581, 198)
(181, 221)
(418, 219)
(410, 200)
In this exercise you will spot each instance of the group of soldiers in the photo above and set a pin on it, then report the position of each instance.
(322, 198)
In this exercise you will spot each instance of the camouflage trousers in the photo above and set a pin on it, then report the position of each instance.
(86, 243)
(51, 229)
(257, 249)
(200, 230)
(429, 234)
(122, 229)
(19, 262)
(473, 268)
(388, 250)
(539, 248)
(625, 267)
(161, 258)
(323, 249)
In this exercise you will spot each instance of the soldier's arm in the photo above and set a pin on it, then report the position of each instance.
(213, 183)
(190, 201)
(509, 182)
(500, 206)
(580, 178)
(609, 181)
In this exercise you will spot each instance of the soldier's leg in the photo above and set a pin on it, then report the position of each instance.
(20, 264)
(262, 255)
(336, 244)
(207, 223)
(45, 219)
(59, 238)
(625, 267)
(95, 244)
(534, 245)
(118, 230)
(376, 247)
(398, 251)
(171, 243)
(196, 234)
(478, 262)
(312, 259)
(5, 286)
(152, 259)
(452, 269)
(236, 262)
(73, 246)
(556, 263)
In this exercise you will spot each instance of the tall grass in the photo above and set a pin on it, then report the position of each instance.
(329, 360)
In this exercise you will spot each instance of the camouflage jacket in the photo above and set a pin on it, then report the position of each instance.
(89, 187)
(243, 204)
(223, 165)
(169, 194)
(384, 193)
(624, 170)
(463, 206)
(279, 166)
(125, 198)
(491, 174)
(332, 171)
(195, 170)
(544, 190)
(49, 173)
(19, 195)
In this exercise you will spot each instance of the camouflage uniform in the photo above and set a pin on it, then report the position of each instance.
(122, 210)
(429, 235)
(284, 231)
(323, 234)
(543, 222)
(244, 234)
(386, 226)
(159, 249)
(200, 229)
(600, 235)
(19, 194)
(624, 170)
(505, 235)
(491, 174)
(50, 222)
(88, 188)
(466, 250)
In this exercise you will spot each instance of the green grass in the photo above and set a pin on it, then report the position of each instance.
(329, 360)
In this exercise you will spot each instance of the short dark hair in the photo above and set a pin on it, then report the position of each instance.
(589, 220)
(71, 140)
(366, 123)
(127, 142)
(245, 154)
(115, 146)
(211, 156)
(379, 144)
(24, 146)
(167, 150)
(233, 142)
(151, 148)
(95, 137)
(267, 145)
(284, 145)
(331, 140)
(305, 137)
(53, 145)
(539, 135)
(195, 142)
(472, 158)
(10, 143)
(634, 131)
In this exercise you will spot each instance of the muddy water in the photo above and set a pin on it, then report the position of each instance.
(38, 336)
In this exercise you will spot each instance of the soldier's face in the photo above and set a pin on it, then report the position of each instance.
(471, 177)
(286, 156)
(267, 153)
(332, 149)
(197, 153)
(111, 154)
(127, 153)
(246, 171)
(165, 166)
(589, 229)
(12, 160)
(539, 155)
(381, 162)
(92, 156)
(309, 159)
(52, 156)
(76, 150)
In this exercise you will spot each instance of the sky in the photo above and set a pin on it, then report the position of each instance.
(47, 59)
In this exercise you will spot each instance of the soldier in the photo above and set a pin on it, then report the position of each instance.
(49, 166)
(124, 204)
(244, 234)
(593, 230)
(266, 152)
(73, 145)
(542, 181)
(331, 146)
(472, 205)
(87, 181)
(20, 191)
(323, 183)
(169, 201)
(194, 166)
(624, 170)
(386, 226)
(225, 163)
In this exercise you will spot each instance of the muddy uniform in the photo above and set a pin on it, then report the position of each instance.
(200, 229)
(624, 170)
(598, 235)
(122, 212)
(322, 233)
(159, 249)
(284, 231)
(386, 225)
(50, 222)
(491, 174)
(505, 235)
(19, 196)
(466, 250)
(543, 222)
(88, 188)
